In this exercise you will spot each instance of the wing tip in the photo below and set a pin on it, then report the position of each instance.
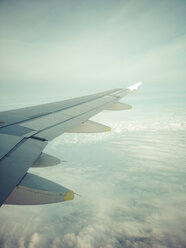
(134, 87)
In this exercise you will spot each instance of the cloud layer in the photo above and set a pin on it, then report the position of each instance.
(133, 193)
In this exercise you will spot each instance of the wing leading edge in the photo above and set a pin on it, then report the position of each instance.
(24, 133)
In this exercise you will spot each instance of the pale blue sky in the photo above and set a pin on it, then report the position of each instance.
(72, 48)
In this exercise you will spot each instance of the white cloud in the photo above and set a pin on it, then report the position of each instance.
(34, 241)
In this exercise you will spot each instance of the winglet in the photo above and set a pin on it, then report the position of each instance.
(134, 87)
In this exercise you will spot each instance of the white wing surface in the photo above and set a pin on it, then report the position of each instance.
(25, 132)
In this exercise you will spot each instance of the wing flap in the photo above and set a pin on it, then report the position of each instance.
(46, 121)
(35, 190)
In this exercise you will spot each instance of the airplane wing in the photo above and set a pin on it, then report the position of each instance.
(25, 132)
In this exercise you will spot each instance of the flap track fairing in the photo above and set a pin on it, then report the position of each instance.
(35, 190)
(90, 127)
(46, 160)
(119, 106)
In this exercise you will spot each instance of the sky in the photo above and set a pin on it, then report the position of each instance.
(131, 180)
(62, 49)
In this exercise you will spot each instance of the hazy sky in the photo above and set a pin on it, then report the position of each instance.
(71, 48)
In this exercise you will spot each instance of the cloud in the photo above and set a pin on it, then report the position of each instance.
(34, 241)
